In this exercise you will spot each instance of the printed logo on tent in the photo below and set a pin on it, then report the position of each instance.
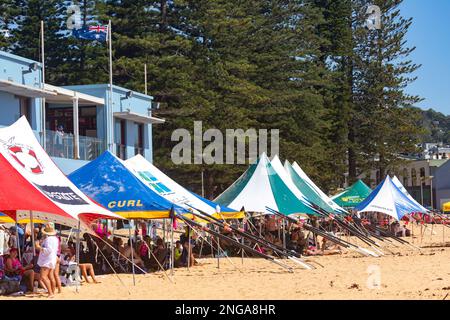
(24, 156)
(154, 183)
(62, 194)
(352, 199)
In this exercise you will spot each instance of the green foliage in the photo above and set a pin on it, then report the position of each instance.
(309, 68)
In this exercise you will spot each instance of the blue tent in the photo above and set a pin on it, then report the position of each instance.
(110, 183)
(387, 198)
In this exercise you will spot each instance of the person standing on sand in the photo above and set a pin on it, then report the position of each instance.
(48, 258)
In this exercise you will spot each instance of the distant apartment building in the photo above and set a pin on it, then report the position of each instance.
(427, 180)
(76, 123)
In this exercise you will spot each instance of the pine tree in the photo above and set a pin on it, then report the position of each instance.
(27, 33)
(387, 125)
(8, 13)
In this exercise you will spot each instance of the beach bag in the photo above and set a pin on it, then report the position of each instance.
(9, 286)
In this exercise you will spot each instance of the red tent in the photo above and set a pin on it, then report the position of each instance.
(30, 181)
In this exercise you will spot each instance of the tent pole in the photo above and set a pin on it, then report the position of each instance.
(164, 231)
(201, 248)
(443, 231)
(242, 240)
(78, 256)
(172, 251)
(189, 247)
(18, 240)
(218, 257)
(284, 234)
(132, 255)
(32, 233)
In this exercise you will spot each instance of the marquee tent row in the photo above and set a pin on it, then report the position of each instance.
(136, 189)
(284, 188)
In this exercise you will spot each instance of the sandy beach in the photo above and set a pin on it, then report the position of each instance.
(406, 273)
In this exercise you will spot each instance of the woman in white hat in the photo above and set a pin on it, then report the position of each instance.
(48, 258)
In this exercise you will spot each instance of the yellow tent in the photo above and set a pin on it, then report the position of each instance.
(446, 207)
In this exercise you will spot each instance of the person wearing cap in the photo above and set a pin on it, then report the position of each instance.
(47, 259)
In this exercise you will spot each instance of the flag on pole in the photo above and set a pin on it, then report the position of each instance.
(99, 33)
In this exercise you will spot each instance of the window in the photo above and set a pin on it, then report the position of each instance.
(121, 139)
(139, 145)
(405, 177)
(422, 175)
(413, 177)
(25, 109)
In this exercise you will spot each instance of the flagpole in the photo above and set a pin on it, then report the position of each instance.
(44, 142)
(145, 79)
(111, 87)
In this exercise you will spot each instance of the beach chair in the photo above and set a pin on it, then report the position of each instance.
(70, 276)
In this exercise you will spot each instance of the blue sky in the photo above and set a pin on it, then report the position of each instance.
(430, 34)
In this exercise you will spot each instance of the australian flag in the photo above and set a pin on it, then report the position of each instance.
(99, 33)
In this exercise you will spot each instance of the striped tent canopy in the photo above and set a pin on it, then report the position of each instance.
(263, 185)
(311, 191)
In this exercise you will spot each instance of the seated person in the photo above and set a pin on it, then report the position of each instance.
(159, 254)
(177, 254)
(301, 242)
(143, 249)
(328, 248)
(313, 248)
(2, 268)
(15, 271)
(186, 255)
(68, 258)
(127, 253)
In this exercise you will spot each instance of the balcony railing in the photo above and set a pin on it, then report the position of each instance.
(121, 150)
(62, 146)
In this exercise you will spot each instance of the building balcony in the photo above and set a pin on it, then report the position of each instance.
(63, 146)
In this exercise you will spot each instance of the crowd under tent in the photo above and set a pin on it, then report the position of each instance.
(259, 187)
(34, 187)
(108, 181)
(163, 185)
(353, 195)
(387, 198)
(310, 192)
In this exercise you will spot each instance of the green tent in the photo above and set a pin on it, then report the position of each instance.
(310, 190)
(353, 195)
(265, 184)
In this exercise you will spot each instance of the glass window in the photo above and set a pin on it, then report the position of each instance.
(139, 144)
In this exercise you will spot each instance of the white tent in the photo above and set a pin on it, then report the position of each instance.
(387, 198)
(160, 183)
(260, 187)
(399, 185)
(310, 190)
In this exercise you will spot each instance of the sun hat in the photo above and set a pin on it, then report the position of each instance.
(49, 230)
